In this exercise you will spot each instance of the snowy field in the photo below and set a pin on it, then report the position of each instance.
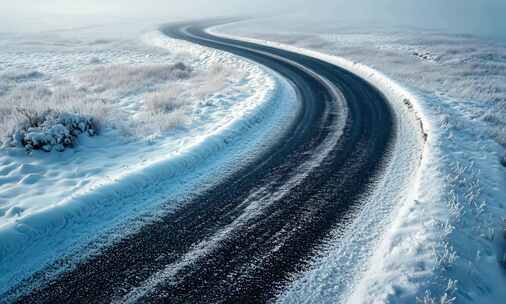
(444, 243)
(97, 129)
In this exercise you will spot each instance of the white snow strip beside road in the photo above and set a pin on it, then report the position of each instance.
(139, 178)
(349, 265)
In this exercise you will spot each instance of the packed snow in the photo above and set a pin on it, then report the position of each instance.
(100, 135)
(443, 241)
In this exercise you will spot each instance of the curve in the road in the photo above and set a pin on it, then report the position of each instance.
(245, 239)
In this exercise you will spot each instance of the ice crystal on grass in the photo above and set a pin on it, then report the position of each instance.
(134, 77)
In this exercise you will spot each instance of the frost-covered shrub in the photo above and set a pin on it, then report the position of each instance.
(428, 298)
(159, 97)
(134, 77)
(21, 76)
(214, 80)
(171, 106)
(4, 87)
(8, 80)
(503, 259)
(155, 123)
(101, 41)
(51, 130)
(35, 105)
(504, 228)
(164, 101)
(95, 60)
(500, 135)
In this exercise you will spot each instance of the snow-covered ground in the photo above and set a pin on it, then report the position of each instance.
(444, 241)
(165, 129)
(170, 115)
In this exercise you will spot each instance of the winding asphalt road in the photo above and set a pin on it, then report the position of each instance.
(245, 239)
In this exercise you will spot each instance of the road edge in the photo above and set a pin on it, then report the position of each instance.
(375, 278)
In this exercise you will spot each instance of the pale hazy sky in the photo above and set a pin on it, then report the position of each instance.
(468, 16)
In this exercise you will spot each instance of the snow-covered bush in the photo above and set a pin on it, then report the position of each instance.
(31, 112)
(139, 94)
(37, 117)
(50, 130)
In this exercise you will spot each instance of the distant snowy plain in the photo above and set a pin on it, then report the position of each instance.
(444, 242)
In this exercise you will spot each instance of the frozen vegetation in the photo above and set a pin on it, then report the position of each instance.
(46, 110)
(444, 242)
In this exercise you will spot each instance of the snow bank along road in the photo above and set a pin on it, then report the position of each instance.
(246, 239)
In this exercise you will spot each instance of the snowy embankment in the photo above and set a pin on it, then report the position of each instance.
(174, 118)
(442, 241)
